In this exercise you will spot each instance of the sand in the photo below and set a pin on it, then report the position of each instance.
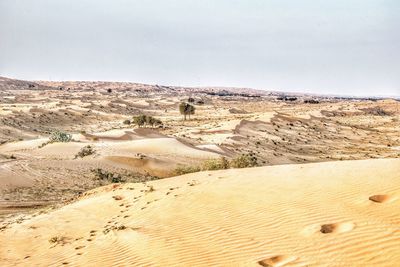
(343, 213)
(326, 192)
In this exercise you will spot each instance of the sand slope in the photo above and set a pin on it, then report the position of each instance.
(344, 213)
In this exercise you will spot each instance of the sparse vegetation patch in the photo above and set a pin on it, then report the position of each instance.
(376, 111)
(145, 120)
(244, 161)
(121, 177)
(58, 136)
(108, 176)
(85, 151)
(241, 161)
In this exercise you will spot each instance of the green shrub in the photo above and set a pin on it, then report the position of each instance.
(186, 109)
(60, 137)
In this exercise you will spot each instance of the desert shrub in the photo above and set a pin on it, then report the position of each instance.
(139, 120)
(144, 120)
(215, 164)
(122, 176)
(376, 111)
(109, 90)
(311, 101)
(85, 151)
(184, 169)
(287, 98)
(60, 137)
(108, 176)
(126, 122)
(244, 161)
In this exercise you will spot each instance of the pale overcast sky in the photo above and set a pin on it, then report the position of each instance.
(323, 46)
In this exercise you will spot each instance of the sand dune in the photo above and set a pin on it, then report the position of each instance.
(343, 213)
(166, 146)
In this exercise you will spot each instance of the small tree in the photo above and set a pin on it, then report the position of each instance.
(191, 110)
(182, 109)
(149, 120)
(139, 120)
(186, 109)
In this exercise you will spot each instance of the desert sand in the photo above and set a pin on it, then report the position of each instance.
(325, 189)
(318, 214)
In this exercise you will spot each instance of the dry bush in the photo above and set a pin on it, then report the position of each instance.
(376, 111)
(108, 176)
(85, 151)
(184, 169)
(244, 161)
(216, 164)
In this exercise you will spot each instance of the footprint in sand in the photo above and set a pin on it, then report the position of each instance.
(336, 228)
(277, 261)
(328, 228)
(380, 198)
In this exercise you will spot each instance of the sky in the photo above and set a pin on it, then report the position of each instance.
(346, 47)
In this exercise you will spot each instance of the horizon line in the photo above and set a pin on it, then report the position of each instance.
(283, 91)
